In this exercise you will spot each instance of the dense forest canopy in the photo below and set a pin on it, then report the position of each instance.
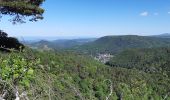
(150, 60)
(21, 9)
(71, 76)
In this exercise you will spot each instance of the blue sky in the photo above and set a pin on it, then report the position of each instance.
(95, 18)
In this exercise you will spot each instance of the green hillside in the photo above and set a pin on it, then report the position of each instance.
(164, 35)
(153, 60)
(70, 76)
(59, 44)
(115, 44)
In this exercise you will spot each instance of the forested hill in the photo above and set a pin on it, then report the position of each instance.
(164, 35)
(69, 76)
(59, 44)
(115, 44)
(152, 60)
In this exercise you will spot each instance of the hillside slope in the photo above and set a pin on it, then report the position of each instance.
(71, 76)
(152, 60)
(115, 44)
(164, 35)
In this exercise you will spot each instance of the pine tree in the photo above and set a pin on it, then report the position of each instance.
(21, 9)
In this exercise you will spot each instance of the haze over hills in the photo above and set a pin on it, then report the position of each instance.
(60, 43)
(164, 35)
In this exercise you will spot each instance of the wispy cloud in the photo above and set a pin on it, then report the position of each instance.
(145, 13)
(169, 12)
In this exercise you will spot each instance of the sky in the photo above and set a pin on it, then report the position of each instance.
(96, 18)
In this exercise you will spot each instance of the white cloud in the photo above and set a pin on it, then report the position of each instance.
(145, 13)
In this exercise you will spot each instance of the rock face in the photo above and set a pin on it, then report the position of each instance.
(7, 43)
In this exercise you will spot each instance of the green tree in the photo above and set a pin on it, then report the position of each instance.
(21, 9)
(16, 71)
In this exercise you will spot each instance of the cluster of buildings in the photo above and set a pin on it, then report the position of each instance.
(104, 57)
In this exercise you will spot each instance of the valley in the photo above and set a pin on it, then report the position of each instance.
(84, 50)
(115, 67)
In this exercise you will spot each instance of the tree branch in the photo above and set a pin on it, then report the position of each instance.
(111, 89)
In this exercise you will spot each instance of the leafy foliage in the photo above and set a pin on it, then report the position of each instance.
(21, 9)
(15, 71)
(72, 76)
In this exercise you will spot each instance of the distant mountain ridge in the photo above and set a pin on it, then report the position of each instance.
(115, 44)
(106, 44)
(60, 44)
(164, 35)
